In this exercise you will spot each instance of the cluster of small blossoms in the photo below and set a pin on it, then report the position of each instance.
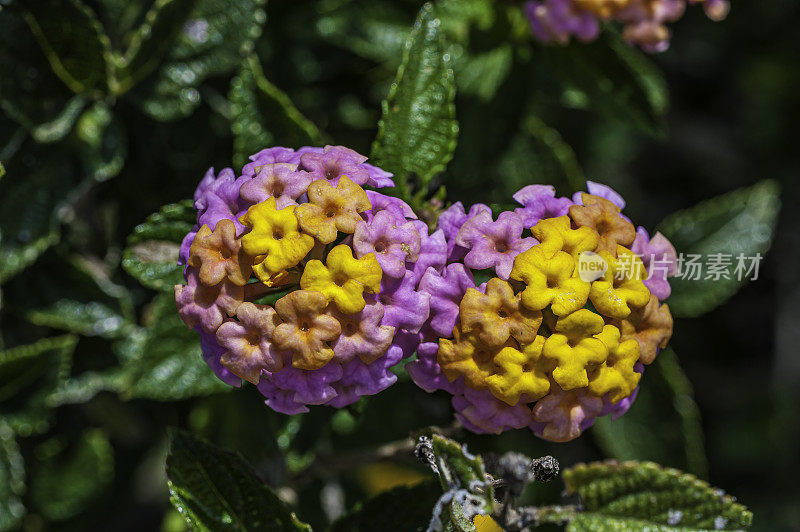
(538, 345)
(644, 21)
(302, 282)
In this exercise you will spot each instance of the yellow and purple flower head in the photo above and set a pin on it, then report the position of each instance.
(302, 280)
(644, 22)
(544, 343)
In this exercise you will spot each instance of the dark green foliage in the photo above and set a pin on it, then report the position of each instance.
(403, 509)
(216, 490)
(664, 426)
(739, 223)
(652, 495)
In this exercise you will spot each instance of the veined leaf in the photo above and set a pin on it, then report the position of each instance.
(74, 42)
(262, 115)
(418, 130)
(663, 425)
(152, 253)
(12, 480)
(738, 224)
(216, 490)
(624, 492)
(86, 466)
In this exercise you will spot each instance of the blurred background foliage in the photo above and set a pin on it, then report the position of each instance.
(112, 110)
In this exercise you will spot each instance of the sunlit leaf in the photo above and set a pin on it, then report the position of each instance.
(630, 496)
(418, 130)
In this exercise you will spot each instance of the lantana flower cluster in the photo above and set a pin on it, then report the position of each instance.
(302, 279)
(537, 344)
(644, 21)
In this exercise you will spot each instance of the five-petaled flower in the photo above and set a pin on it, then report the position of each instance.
(392, 241)
(330, 210)
(345, 279)
(556, 234)
(493, 244)
(306, 329)
(274, 239)
(550, 280)
(497, 314)
(465, 356)
(604, 217)
(218, 255)
(520, 373)
(579, 343)
(621, 286)
(248, 342)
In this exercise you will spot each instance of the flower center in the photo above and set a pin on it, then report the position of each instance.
(305, 326)
(332, 172)
(380, 246)
(225, 253)
(253, 338)
(501, 247)
(277, 234)
(340, 279)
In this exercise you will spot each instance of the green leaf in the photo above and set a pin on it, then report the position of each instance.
(738, 223)
(402, 509)
(418, 130)
(86, 466)
(12, 480)
(262, 115)
(74, 42)
(152, 252)
(29, 373)
(104, 143)
(613, 78)
(216, 490)
(653, 494)
(663, 425)
(213, 40)
(168, 363)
